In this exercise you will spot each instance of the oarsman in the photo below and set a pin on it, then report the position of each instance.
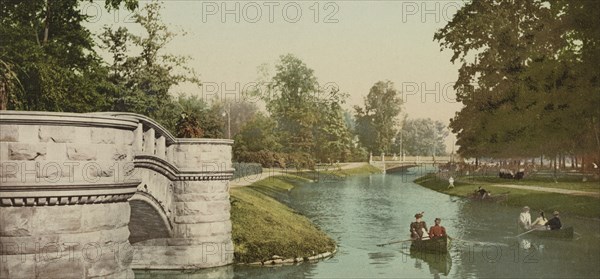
(418, 228)
(437, 230)
(554, 223)
(525, 219)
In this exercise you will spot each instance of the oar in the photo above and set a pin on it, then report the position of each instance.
(478, 242)
(394, 242)
(526, 232)
(470, 241)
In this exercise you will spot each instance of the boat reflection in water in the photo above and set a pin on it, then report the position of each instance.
(439, 263)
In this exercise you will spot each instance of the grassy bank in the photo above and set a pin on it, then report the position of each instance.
(264, 227)
(582, 206)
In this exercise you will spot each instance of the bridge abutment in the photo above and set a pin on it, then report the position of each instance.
(66, 183)
(63, 195)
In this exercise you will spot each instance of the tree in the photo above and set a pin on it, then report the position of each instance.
(309, 118)
(422, 137)
(290, 104)
(196, 119)
(236, 112)
(256, 135)
(376, 122)
(257, 142)
(332, 137)
(145, 79)
(47, 57)
(531, 78)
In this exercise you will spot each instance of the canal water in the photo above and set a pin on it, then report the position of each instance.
(363, 211)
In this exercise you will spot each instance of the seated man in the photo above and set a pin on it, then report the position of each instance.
(437, 230)
(554, 223)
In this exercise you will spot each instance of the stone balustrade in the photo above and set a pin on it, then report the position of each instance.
(77, 189)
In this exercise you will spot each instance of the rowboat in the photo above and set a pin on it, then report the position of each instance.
(435, 245)
(567, 232)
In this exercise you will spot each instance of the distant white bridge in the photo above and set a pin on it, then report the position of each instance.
(401, 163)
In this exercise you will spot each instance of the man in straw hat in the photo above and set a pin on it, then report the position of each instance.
(525, 218)
(418, 228)
(554, 223)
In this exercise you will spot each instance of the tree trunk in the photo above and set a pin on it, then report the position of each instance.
(46, 22)
(542, 161)
(554, 161)
(3, 93)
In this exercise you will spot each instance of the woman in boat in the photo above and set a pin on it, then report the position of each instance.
(540, 222)
(525, 219)
(418, 228)
(437, 230)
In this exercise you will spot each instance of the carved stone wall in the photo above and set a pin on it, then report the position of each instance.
(64, 191)
(67, 181)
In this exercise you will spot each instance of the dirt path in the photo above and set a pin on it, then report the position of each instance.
(550, 190)
(248, 180)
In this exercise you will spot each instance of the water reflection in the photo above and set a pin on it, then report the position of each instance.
(438, 264)
(223, 272)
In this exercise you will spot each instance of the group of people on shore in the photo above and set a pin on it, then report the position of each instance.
(541, 223)
(418, 228)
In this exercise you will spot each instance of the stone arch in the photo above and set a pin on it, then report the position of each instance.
(148, 219)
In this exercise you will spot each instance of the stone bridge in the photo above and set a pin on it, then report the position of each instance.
(97, 195)
(397, 164)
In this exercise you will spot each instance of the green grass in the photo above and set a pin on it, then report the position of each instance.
(264, 227)
(562, 183)
(566, 204)
(364, 169)
(332, 173)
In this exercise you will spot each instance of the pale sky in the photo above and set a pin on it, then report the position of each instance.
(350, 43)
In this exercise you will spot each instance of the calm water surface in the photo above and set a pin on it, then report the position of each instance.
(361, 212)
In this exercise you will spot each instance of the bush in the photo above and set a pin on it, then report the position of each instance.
(270, 159)
(267, 159)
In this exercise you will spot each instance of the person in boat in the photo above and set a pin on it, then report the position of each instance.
(418, 228)
(481, 193)
(554, 223)
(540, 222)
(437, 230)
(525, 219)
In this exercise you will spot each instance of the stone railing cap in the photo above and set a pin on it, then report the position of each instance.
(169, 138)
(65, 119)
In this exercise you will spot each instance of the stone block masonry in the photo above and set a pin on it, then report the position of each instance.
(67, 181)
